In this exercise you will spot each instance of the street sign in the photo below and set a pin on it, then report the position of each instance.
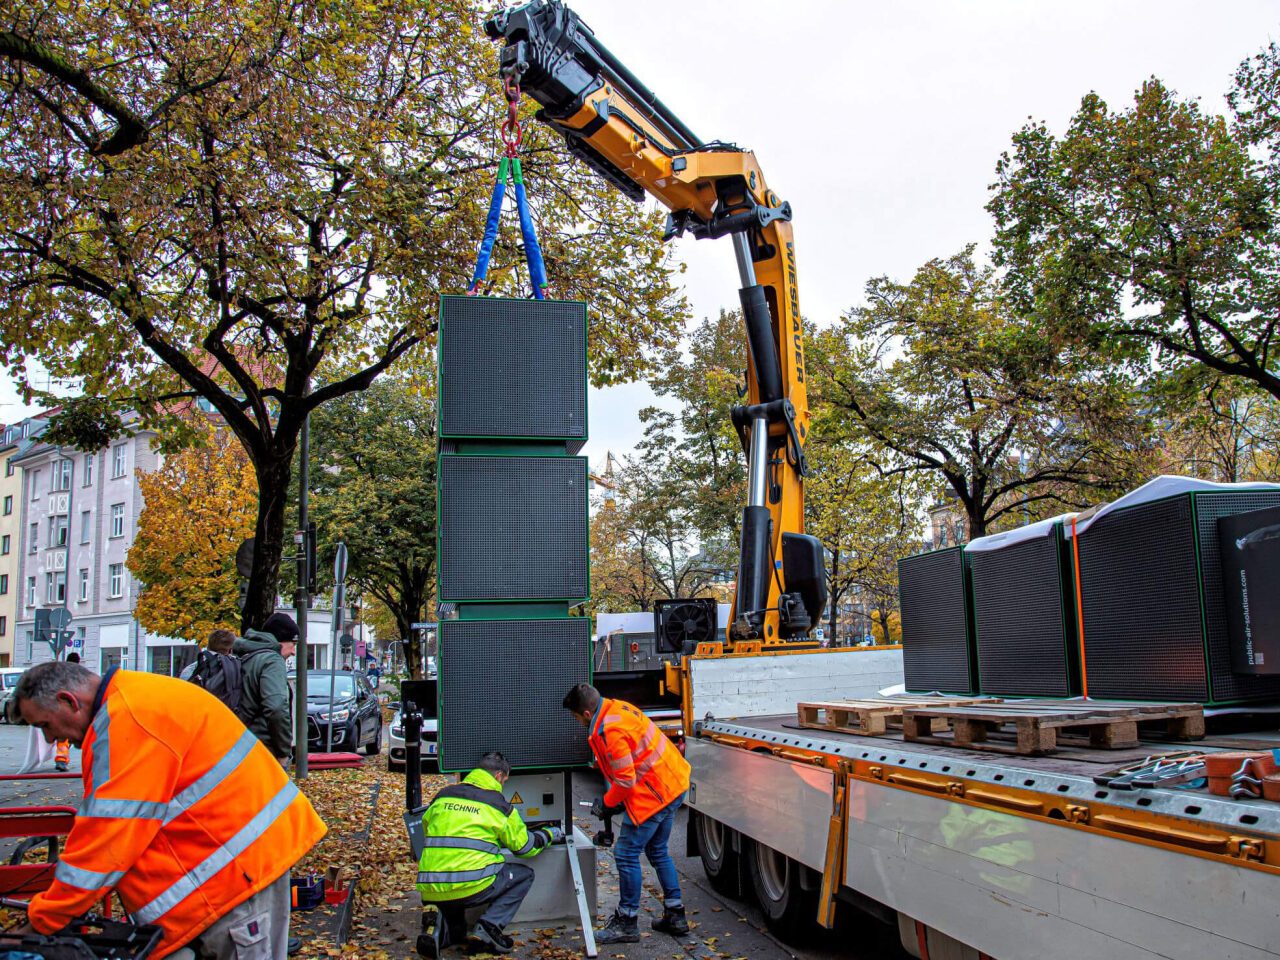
(59, 617)
(340, 563)
(423, 626)
(346, 641)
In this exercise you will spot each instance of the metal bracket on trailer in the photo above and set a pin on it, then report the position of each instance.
(833, 867)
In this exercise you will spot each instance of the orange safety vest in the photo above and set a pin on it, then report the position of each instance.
(645, 771)
(186, 814)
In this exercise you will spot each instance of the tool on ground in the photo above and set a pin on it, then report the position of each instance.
(603, 838)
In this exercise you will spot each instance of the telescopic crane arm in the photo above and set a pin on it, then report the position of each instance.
(621, 129)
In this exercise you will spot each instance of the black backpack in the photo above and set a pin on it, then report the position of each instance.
(221, 675)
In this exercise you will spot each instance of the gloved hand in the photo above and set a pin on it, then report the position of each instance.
(554, 834)
(597, 808)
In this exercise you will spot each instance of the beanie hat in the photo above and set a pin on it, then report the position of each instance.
(282, 627)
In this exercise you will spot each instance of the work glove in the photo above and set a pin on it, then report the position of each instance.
(553, 834)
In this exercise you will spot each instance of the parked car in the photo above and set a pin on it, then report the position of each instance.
(395, 752)
(356, 715)
(8, 681)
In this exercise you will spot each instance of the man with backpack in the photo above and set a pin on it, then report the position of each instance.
(264, 701)
(208, 664)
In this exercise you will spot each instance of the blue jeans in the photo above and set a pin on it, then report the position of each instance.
(650, 837)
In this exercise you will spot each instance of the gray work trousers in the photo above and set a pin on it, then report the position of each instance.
(258, 929)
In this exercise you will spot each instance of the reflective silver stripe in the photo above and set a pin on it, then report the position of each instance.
(112, 809)
(217, 773)
(101, 767)
(462, 843)
(108, 808)
(460, 876)
(528, 845)
(85, 879)
(652, 759)
(201, 873)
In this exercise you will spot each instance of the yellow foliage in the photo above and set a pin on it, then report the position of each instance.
(198, 509)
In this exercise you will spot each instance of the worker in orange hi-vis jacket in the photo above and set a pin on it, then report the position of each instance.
(186, 815)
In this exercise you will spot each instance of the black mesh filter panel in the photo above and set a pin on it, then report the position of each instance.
(1019, 622)
(501, 683)
(1140, 595)
(1224, 684)
(513, 368)
(513, 528)
(935, 622)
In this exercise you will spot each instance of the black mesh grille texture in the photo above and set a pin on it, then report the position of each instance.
(513, 368)
(1142, 589)
(501, 683)
(1226, 685)
(1019, 621)
(935, 630)
(1141, 599)
(513, 528)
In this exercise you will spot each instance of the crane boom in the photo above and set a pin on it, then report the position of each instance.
(620, 128)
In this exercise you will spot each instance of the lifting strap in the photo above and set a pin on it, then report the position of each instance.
(509, 168)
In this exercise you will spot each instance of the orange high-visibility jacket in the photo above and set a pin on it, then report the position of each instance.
(645, 771)
(186, 814)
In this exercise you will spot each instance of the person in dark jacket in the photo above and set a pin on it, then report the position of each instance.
(264, 701)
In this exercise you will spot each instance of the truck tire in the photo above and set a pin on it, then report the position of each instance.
(719, 859)
(790, 911)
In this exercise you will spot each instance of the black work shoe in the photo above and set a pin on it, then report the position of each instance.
(60, 766)
(619, 929)
(434, 936)
(673, 922)
(295, 944)
(492, 937)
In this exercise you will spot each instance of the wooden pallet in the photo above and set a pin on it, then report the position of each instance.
(1033, 726)
(872, 717)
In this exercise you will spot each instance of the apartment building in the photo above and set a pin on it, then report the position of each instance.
(74, 517)
(13, 441)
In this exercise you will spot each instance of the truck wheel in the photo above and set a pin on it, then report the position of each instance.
(790, 911)
(719, 860)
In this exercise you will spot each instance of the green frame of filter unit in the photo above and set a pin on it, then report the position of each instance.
(1070, 622)
(569, 445)
(440, 701)
(970, 627)
(515, 608)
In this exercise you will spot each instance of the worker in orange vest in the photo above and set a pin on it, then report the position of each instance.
(185, 815)
(648, 779)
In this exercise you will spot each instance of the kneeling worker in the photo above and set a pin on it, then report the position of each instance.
(467, 825)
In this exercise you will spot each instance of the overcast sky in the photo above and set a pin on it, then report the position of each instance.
(881, 123)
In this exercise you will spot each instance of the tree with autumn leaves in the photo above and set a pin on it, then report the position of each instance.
(258, 204)
(198, 508)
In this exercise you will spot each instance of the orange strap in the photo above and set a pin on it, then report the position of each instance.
(1075, 551)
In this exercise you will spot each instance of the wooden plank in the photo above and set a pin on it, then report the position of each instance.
(866, 717)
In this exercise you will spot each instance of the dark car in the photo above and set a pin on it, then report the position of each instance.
(356, 714)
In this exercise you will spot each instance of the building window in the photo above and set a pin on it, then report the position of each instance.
(4, 626)
(26, 430)
(117, 520)
(55, 587)
(35, 539)
(31, 591)
(170, 661)
(58, 527)
(88, 469)
(86, 525)
(31, 638)
(35, 484)
(84, 585)
(119, 454)
(8, 505)
(111, 657)
(115, 574)
(4, 583)
(61, 479)
(8, 467)
(5, 543)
